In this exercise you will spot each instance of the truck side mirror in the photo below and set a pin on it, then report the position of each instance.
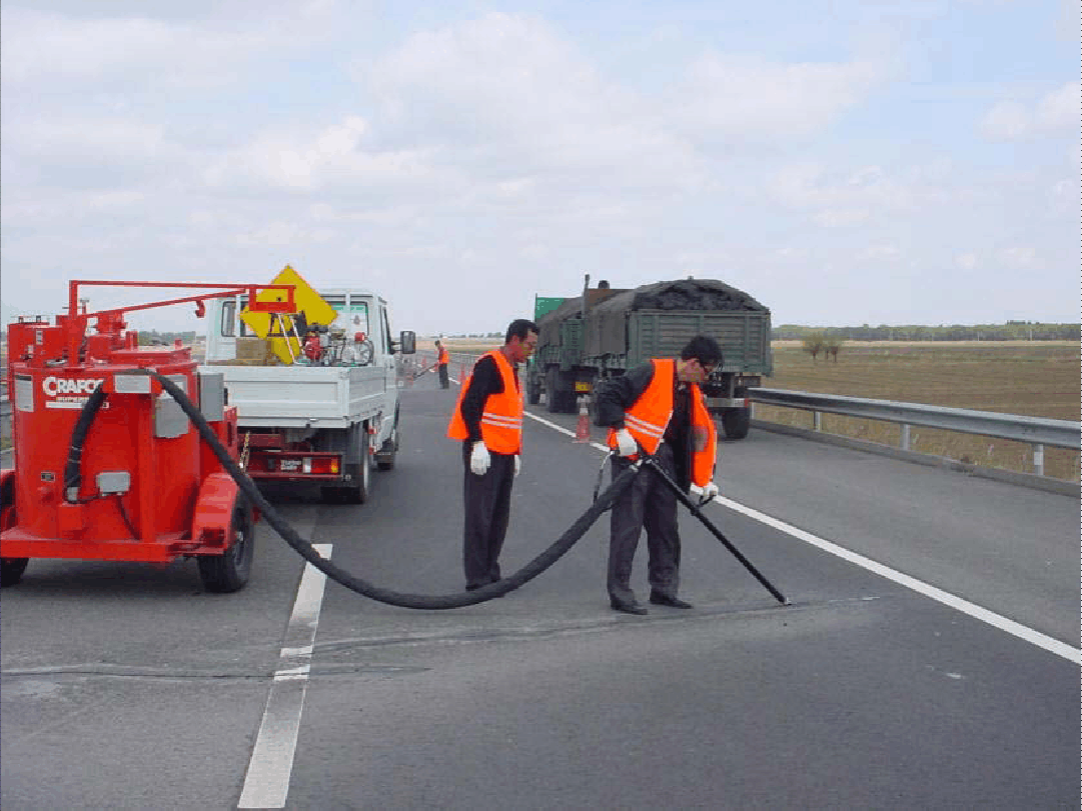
(407, 342)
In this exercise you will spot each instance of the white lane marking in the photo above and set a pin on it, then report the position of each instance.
(946, 598)
(267, 781)
(1049, 644)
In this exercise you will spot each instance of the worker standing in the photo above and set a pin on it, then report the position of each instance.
(657, 407)
(443, 359)
(488, 420)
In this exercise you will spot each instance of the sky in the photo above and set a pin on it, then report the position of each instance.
(851, 162)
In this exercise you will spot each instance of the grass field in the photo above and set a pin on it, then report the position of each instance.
(1039, 379)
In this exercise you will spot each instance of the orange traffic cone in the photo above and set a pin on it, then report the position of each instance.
(582, 430)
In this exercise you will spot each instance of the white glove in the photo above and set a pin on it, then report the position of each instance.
(479, 459)
(518, 463)
(625, 443)
(706, 493)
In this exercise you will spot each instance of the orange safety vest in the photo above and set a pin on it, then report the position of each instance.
(445, 356)
(649, 416)
(501, 421)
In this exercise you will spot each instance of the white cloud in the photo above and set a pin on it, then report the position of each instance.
(966, 261)
(842, 198)
(70, 51)
(745, 99)
(1057, 111)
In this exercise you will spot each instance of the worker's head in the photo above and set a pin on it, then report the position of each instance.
(520, 340)
(438, 342)
(698, 359)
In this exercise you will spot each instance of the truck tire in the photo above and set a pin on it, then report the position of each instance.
(11, 569)
(229, 571)
(386, 454)
(552, 395)
(736, 421)
(356, 492)
(560, 393)
(533, 390)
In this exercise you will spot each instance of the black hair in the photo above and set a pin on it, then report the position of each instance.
(520, 327)
(704, 349)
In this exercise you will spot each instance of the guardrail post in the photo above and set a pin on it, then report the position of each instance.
(817, 420)
(905, 437)
(1038, 458)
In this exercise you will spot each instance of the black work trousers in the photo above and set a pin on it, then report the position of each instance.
(647, 503)
(445, 382)
(487, 513)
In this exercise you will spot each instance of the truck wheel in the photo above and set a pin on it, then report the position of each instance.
(552, 396)
(229, 571)
(736, 422)
(385, 457)
(11, 569)
(533, 390)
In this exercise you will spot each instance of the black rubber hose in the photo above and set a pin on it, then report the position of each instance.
(73, 471)
(357, 584)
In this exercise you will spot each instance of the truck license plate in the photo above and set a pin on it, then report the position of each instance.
(290, 464)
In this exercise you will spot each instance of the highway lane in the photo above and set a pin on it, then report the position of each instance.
(862, 693)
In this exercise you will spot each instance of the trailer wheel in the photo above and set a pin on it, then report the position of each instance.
(11, 569)
(230, 570)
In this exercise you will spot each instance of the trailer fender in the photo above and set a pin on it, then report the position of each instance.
(211, 523)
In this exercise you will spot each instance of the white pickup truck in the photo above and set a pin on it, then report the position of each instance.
(323, 420)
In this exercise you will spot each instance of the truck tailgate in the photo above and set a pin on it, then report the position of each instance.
(297, 396)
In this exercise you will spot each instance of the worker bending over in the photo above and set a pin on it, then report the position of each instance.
(488, 420)
(659, 407)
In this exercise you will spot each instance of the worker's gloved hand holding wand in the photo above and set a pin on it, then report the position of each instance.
(706, 493)
(479, 459)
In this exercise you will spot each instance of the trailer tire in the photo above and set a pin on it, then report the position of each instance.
(229, 571)
(11, 569)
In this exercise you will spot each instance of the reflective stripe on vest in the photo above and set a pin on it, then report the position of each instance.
(501, 421)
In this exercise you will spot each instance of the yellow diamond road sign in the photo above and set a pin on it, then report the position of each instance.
(279, 330)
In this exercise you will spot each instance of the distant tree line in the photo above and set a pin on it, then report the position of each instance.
(1011, 331)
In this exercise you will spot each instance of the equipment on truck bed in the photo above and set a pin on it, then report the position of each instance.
(107, 466)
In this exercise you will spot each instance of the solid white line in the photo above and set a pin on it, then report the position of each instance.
(1023, 632)
(267, 781)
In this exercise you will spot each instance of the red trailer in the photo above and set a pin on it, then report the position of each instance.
(106, 465)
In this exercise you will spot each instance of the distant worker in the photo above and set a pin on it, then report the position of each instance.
(488, 420)
(659, 407)
(443, 358)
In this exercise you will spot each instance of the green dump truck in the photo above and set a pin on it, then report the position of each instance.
(606, 331)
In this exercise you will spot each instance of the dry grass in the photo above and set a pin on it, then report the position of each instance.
(1039, 379)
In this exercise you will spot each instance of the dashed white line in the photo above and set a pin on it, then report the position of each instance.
(1023, 632)
(267, 782)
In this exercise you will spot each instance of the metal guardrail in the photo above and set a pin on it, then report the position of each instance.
(1037, 431)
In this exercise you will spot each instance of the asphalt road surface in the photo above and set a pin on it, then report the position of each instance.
(929, 657)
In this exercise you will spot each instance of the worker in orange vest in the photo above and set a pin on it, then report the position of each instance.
(657, 408)
(488, 420)
(443, 358)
